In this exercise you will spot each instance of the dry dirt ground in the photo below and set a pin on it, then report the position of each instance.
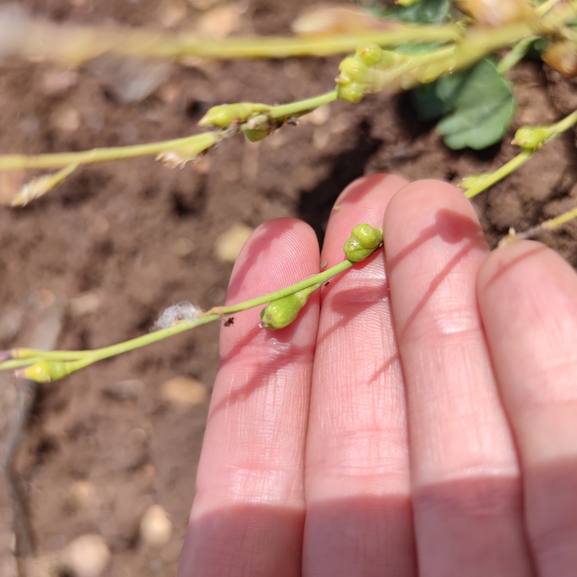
(95, 261)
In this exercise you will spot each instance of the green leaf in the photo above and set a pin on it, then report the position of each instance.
(483, 107)
(479, 102)
(433, 100)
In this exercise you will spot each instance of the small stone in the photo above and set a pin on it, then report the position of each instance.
(124, 390)
(182, 247)
(56, 82)
(228, 244)
(87, 556)
(81, 495)
(183, 393)
(66, 119)
(219, 22)
(155, 526)
(86, 303)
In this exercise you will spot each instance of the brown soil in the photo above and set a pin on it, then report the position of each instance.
(137, 237)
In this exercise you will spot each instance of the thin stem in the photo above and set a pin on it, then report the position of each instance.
(73, 44)
(516, 54)
(80, 359)
(315, 279)
(545, 226)
(489, 180)
(150, 338)
(198, 142)
(302, 106)
(500, 174)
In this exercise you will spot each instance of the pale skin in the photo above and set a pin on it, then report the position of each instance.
(419, 419)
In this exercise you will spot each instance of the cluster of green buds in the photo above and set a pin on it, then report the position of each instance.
(364, 240)
(281, 312)
(361, 73)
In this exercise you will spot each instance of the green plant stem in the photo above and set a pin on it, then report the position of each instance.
(500, 174)
(515, 55)
(302, 106)
(198, 142)
(325, 45)
(80, 359)
(21, 161)
(313, 280)
(73, 45)
(545, 226)
(508, 168)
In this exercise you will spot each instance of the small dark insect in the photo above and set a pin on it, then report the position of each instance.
(229, 321)
(327, 283)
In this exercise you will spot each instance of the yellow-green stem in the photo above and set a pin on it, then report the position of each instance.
(21, 161)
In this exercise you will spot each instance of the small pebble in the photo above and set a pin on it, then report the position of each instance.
(87, 556)
(86, 303)
(124, 390)
(81, 494)
(228, 244)
(183, 393)
(155, 526)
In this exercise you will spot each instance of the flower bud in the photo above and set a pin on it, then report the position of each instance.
(364, 240)
(531, 137)
(562, 56)
(370, 54)
(45, 371)
(282, 312)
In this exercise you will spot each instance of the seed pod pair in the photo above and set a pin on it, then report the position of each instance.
(364, 240)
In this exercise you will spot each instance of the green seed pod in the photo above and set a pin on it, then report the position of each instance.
(224, 115)
(282, 312)
(45, 371)
(351, 93)
(364, 240)
(531, 137)
(256, 134)
(353, 69)
(370, 55)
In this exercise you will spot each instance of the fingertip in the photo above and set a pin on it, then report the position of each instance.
(527, 276)
(418, 199)
(515, 260)
(361, 187)
(278, 250)
(363, 201)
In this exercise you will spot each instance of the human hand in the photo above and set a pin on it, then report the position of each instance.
(424, 424)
